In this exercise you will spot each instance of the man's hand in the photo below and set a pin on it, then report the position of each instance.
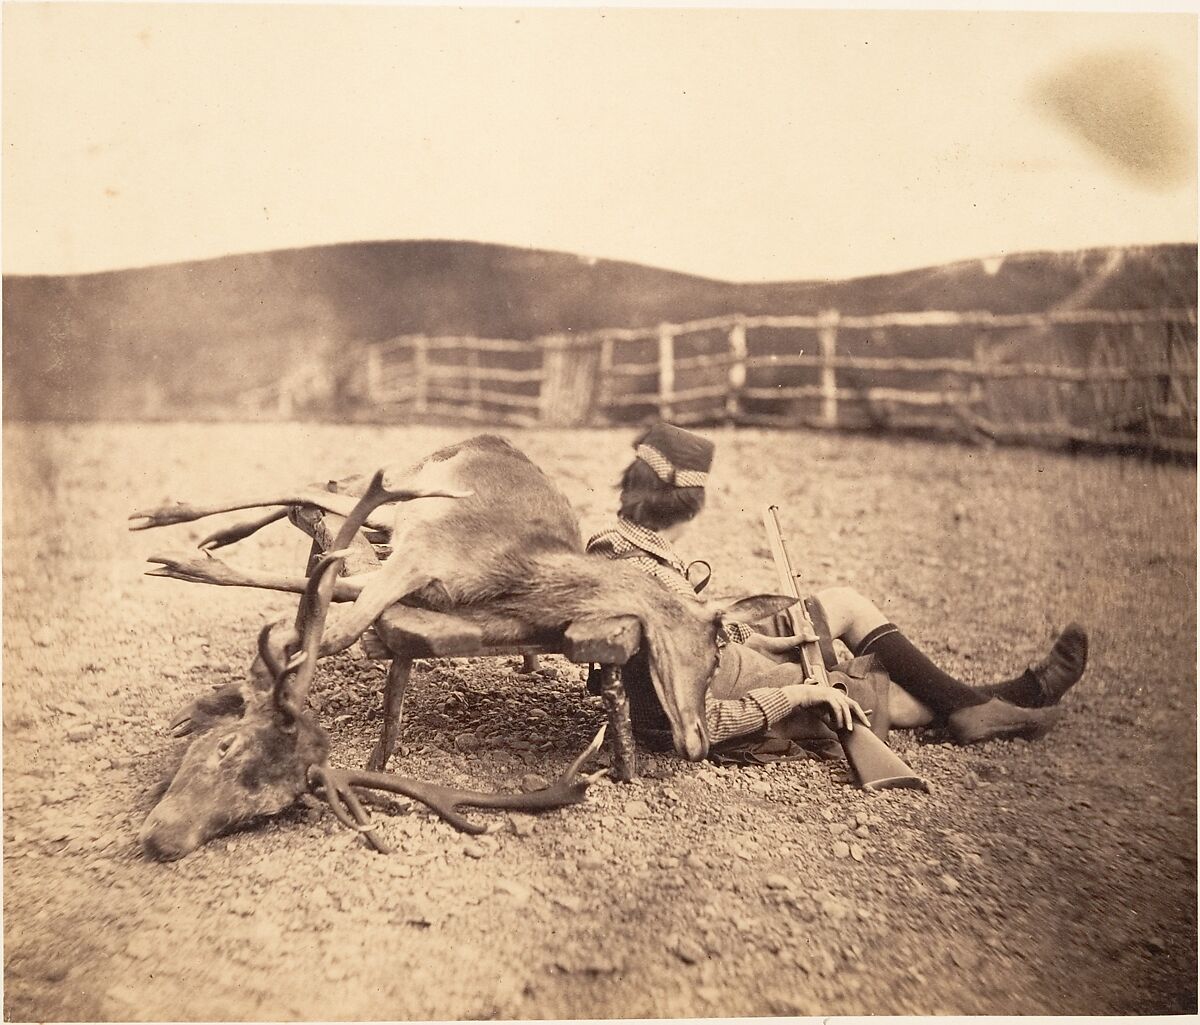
(778, 648)
(843, 709)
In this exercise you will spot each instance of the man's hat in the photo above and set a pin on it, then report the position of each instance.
(678, 457)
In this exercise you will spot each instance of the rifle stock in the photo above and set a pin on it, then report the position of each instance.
(874, 765)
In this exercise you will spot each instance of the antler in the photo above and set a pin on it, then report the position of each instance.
(337, 787)
(291, 689)
(237, 531)
(343, 505)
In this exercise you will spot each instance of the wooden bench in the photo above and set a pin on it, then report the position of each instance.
(410, 633)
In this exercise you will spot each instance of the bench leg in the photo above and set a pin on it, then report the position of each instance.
(393, 708)
(620, 732)
(531, 662)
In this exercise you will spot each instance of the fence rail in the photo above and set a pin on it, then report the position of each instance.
(1108, 377)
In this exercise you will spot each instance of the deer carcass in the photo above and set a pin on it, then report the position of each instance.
(489, 535)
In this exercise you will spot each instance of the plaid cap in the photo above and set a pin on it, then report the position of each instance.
(677, 456)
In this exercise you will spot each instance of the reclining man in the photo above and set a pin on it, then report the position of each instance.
(755, 692)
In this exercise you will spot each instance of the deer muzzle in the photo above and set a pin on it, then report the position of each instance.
(691, 742)
(166, 836)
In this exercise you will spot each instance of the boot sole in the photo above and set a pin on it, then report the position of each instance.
(1009, 731)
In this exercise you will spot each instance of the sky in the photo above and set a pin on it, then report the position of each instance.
(738, 144)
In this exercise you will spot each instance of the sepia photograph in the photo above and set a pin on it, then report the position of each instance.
(598, 512)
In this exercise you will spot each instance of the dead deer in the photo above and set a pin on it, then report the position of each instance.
(493, 538)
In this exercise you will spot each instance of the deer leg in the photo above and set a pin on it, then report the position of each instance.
(392, 582)
(620, 737)
(205, 569)
(393, 708)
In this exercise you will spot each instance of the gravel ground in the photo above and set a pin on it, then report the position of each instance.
(1056, 877)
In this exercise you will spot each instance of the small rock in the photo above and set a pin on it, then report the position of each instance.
(969, 780)
(519, 893)
(125, 995)
(531, 781)
(967, 960)
(789, 1007)
(637, 809)
(838, 828)
(83, 732)
(862, 830)
(474, 850)
(827, 814)
(469, 742)
(687, 950)
(856, 852)
(72, 708)
(861, 818)
(833, 908)
(1156, 945)
(777, 882)
(592, 861)
(142, 946)
(761, 786)
(841, 849)
(521, 825)
(245, 906)
(948, 883)
(568, 901)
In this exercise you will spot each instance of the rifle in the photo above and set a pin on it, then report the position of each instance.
(874, 765)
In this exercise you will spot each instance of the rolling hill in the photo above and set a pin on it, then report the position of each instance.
(187, 337)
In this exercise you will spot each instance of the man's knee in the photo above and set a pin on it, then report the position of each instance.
(851, 615)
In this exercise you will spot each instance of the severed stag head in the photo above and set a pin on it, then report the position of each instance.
(259, 764)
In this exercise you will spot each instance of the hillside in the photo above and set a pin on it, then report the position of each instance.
(188, 336)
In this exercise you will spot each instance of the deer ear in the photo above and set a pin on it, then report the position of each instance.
(752, 609)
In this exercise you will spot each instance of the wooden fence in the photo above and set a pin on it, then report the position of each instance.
(1121, 378)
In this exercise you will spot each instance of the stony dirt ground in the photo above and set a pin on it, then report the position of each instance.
(1056, 877)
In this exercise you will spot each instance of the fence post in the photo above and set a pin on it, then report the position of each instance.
(373, 372)
(604, 388)
(420, 351)
(737, 370)
(666, 370)
(476, 404)
(827, 336)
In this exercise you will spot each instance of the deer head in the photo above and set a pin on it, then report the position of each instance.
(683, 657)
(257, 764)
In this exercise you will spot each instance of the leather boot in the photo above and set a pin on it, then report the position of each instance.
(998, 720)
(1060, 670)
